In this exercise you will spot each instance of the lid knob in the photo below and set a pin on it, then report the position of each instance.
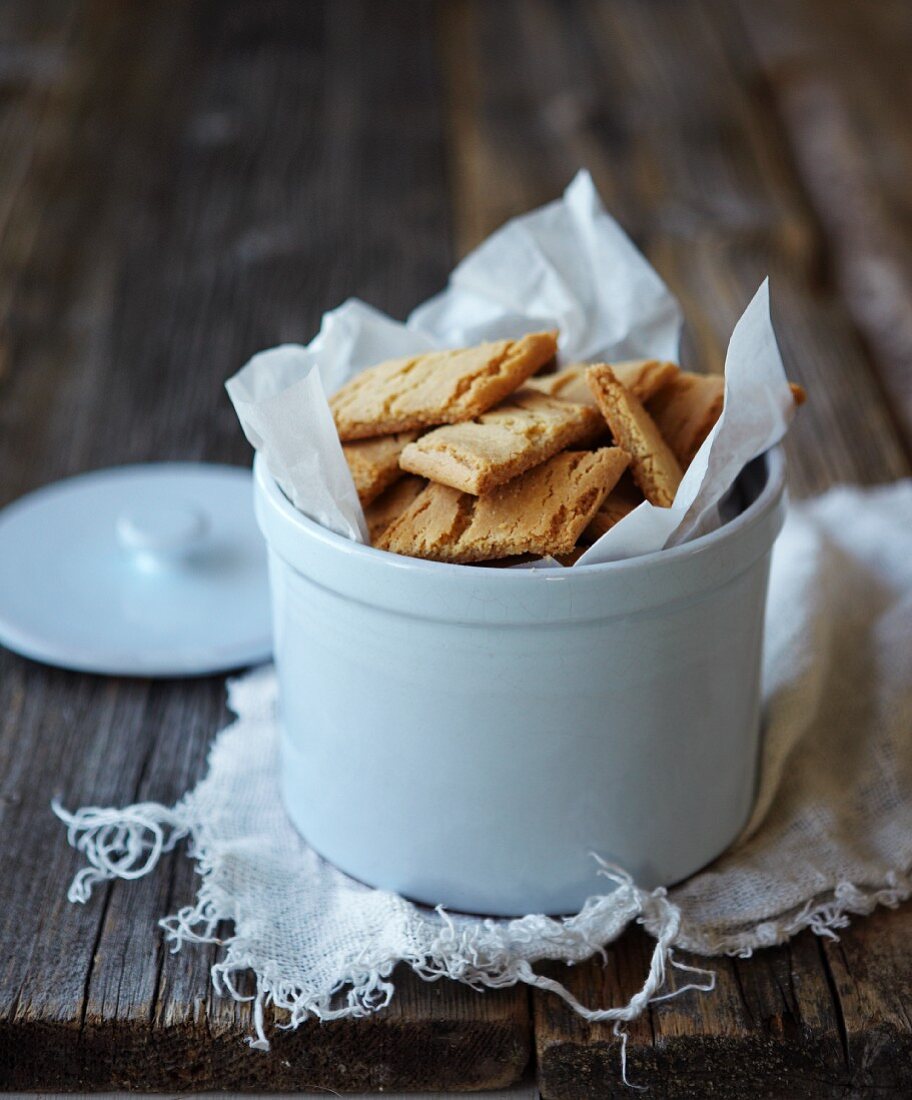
(160, 533)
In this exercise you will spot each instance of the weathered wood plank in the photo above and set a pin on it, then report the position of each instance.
(181, 185)
(663, 103)
(769, 1029)
(872, 977)
(839, 78)
(688, 169)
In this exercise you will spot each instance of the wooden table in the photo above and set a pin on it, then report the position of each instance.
(184, 184)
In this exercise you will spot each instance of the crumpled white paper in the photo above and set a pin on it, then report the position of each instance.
(282, 407)
(756, 414)
(567, 266)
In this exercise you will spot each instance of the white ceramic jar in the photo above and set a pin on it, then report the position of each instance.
(468, 736)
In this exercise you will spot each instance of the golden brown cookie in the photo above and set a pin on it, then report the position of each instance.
(374, 463)
(643, 377)
(688, 406)
(685, 411)
(439, 387)
(652, 462)
(620, 502)
(391, 504)
(522, 432)
(543, 511)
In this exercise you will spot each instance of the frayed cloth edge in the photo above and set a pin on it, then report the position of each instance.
(128, 843)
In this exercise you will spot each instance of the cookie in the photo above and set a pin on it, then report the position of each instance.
(643, 377)
(391, 504)
(374, 463)
(543, 511)
(652, 462)
(799, 393)
(620, 502)
(685, 411)
(439, 387)
(520, 433)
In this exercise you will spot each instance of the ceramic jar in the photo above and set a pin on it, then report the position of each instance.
(468, 736)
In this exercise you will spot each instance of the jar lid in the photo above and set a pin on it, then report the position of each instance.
(150, 570)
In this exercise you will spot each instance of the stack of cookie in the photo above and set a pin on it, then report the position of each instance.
(481, 455)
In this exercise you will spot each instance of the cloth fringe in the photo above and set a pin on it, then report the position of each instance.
(823, 915)
(125, 843)
(128, 843)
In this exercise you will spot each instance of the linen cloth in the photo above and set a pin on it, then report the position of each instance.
(830, 836)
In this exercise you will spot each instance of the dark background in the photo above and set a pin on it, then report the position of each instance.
(185, 183)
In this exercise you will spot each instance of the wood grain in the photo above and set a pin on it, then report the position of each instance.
(181, 185)
(770, 1028)
(840, 84)
(684, 123)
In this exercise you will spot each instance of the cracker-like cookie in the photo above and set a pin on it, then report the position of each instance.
(391, 503)
(374, 463)
(688, 406)
(652, 462)
(620, 502)
(643, 377)
(543, 511)
(522, 432)
(439, 387)
(685, 410)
